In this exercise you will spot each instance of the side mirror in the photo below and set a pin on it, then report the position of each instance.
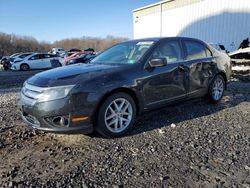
(158, 62)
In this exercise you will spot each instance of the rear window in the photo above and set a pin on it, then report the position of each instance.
(196, 50)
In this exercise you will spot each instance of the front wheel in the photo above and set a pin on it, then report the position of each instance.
(116, 115)
(216, 89)
(24, 67)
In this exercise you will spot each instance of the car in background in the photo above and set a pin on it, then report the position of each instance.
(3, 58)
(89, 50)
(121, 83)
(242, 53)
(74, 55)
(77, 54)
(67, 54)
(74, 50)
(84, 58)
(7, 58)
(59, 51)
(20, 57)
(17, 58)
(14, 56)
(219, 47)
(5, 61)
(36, 61)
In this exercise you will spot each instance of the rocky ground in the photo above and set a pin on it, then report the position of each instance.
(194, 144)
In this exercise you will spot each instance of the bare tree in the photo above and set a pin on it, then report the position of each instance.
(10, 43)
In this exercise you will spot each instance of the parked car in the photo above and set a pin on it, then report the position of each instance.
(20, 57)
(121, 83)
(74, 55)
(7, 58)
(75, 50)
(67, 54)
(35, 61)
(84, 58)
(5, 61)
(90, 50)
(219, 47)
(242, 53)
(59, 51)
(3, 58)
(17, 58)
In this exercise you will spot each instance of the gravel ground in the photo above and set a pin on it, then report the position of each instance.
(193, 144)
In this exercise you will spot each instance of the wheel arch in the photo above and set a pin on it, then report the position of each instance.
(24, 64)
(128, 91)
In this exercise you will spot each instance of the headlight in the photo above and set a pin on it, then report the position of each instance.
(54, 93)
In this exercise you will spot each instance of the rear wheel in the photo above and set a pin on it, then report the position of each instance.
(24, 67)
(116, 115)
(216, 89)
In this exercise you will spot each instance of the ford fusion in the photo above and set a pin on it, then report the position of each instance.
(121, 83)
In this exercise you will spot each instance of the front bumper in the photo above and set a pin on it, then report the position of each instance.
(13, 67)
(39, 116)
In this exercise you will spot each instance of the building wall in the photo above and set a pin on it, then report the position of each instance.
(214, 21)
(150, 15)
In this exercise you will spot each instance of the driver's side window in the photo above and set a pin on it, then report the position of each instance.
(169, 50)
(34, 57)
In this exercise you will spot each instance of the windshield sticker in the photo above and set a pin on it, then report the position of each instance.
(131, 61)
(145, 43)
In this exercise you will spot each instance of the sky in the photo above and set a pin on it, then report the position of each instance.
(51, 20)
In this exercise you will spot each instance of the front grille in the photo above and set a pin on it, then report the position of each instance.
(30, 94)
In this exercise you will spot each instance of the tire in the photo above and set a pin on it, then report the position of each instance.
(24, 67)
(116, 115)
(216, 89)
(5, 66)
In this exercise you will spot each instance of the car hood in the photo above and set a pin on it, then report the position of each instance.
(72, 74)
(17, 59)
(241, 50)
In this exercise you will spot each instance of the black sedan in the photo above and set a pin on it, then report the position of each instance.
(121, 83)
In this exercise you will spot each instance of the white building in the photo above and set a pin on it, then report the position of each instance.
(214, 21)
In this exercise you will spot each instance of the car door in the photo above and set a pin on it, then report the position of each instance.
(167, 83)
(46, 61)
(201, 65)
(34, 61)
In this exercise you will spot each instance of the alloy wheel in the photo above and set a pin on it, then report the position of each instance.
(118, 115)
(217, 89)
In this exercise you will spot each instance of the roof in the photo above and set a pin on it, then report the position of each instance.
(155, 39)
(151, 5)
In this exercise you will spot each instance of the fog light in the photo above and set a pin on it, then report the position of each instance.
(59, 121)
(62, 121)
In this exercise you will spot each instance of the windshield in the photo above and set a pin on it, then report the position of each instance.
(24, 55)
(124, 53)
